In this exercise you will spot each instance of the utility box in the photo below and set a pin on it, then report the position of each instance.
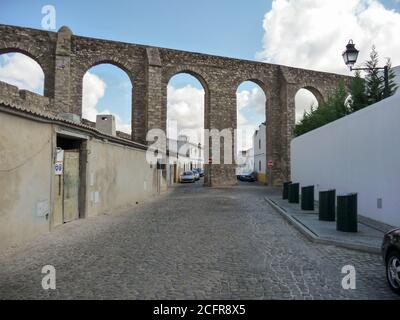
(106, 124)
(307, 198)
(294, 190)
(327, 201)
(347, 214)
(285, 193)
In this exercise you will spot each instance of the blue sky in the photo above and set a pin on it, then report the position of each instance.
(237, 29)
(222, 27)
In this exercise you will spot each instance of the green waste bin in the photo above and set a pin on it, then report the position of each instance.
(285, 194)
(347, 218)
(327, 205)
(307, 198)
(294, 190)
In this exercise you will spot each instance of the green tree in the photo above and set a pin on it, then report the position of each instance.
(375, 79)
(330, 110)
(363, 92)
(392, 76)
(374, 83)
(358, 94)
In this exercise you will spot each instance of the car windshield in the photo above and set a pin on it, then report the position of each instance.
(188, 173)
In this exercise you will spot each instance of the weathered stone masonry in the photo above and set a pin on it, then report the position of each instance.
(65, 58)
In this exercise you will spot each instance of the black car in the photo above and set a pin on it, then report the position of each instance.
(201, 171)
(391, 257)
(249, 177)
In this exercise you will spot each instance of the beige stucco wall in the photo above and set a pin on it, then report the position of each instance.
(25, 174)
(119, 175)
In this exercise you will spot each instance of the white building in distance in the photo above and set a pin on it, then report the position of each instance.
(260, 153)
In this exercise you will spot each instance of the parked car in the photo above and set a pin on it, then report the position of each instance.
(188, 176)
(391, 257)
(200, 171)
(196, 175)
(249, 177)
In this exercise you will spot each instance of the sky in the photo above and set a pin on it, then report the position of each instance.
(301, 33)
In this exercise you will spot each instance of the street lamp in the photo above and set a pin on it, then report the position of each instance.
(350, 56)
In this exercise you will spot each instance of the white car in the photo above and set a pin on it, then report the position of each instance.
(188, 177)
(196, 175)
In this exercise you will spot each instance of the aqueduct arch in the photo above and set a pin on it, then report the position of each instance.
(65, 58)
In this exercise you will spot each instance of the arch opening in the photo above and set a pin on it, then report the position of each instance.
(186, 100)
(306, 99)
(251, 137)
(22, 71)
(107, 89)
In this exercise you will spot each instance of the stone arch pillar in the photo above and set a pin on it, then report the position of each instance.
(62, 73)
(222, 116)
(287, 122)
(154, 96)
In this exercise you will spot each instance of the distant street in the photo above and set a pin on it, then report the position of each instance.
(191, 243)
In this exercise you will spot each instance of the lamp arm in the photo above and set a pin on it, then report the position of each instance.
(365, 69)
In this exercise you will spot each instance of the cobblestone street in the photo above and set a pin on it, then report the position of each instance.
(191, 243)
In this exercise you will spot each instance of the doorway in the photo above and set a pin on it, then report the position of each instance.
(68, 180)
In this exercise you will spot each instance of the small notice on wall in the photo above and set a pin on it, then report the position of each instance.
(58, 166)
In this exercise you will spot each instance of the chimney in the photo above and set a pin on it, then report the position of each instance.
(106, 124)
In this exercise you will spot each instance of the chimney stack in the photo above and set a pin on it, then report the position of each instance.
(106, 124)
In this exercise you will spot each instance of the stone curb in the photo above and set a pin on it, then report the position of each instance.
(311, 236)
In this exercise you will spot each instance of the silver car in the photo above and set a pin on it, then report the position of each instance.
(188, 177)
(196, 175)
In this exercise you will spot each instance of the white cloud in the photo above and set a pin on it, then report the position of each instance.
(251, 113)
(94, 89)
(254, 99)
(21, 71)
(186, 107)
(313, 33)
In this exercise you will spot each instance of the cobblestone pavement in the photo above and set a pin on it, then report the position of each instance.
(192, 243)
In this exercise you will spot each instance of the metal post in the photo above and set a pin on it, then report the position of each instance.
(270, 177)
(386, 75)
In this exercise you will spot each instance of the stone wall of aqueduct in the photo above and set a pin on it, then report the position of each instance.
(65, 58)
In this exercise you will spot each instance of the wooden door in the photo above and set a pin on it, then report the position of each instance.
(58, 200)
(71, 186)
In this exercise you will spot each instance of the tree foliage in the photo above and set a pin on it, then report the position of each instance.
(358, 99)
(332, 109)
(363, 92)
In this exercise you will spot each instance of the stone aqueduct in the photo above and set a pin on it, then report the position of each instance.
(65, 58)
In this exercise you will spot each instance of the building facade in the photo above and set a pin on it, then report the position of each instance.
(245, 162)
(260, 153)
(55, 171)
(182, 155)
(359, 154)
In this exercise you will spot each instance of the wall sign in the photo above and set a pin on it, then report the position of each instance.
(58, 166)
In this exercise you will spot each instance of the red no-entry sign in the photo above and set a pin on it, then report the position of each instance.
(270, 164)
